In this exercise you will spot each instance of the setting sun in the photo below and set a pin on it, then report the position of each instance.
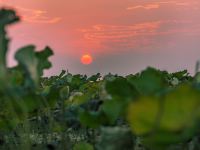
(86, 59)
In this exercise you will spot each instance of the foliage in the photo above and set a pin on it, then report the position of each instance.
(150, 110)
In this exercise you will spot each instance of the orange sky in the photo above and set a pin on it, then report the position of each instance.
(123, 36)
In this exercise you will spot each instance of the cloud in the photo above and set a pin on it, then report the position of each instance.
(119, 31)
(148, 7)
(157, 5)
(140, 35)
(119, 36)
(32, 15)
(36, 16)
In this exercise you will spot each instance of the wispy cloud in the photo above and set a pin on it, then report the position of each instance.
(32, 15)
(137, 35)
(119, 36)
(36, 16)
(119, 31)
(148, 6)
(156, 5)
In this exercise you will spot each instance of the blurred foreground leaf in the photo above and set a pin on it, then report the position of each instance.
(168, 120)
(33, 62)
(7, 17)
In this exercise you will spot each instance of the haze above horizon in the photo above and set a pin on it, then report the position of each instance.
(122, 36)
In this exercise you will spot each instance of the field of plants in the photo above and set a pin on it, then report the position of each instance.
(150, 110)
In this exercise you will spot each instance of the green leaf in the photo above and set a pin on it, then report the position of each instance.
(33, 62)
(113, 109)
(94, 77)
(52, 94)
(163, 139)
(149, 81)
(77, 81)
(90, 90)
(120, 87)
(62, 74)
(64, 92)
(142, 115)
(181, 109)
(181, 75)
(91, 119)
(32, 102)
(83, 146)
(43, 62)
(6, 17)
(8, 124)
(170, 119)
(27, 59)
(16, 76)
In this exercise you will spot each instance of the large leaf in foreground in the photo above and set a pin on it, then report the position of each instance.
(7, 17)
(172, 119)
(142, 115)
(33, 62)
(43, 62)
(27, 59)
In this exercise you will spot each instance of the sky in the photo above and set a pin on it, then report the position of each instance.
(122, 36)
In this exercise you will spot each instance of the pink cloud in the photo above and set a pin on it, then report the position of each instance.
(119, 31)
(33, 15)
(140, 35)
(148, 7)
(120, 36)
(36, 16)
(157, 5)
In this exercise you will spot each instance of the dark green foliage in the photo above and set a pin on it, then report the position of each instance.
(149, 81)
(121, 88)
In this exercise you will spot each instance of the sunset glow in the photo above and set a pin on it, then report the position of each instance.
(136, 33)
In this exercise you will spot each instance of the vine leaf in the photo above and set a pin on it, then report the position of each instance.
(7, 17)
(149, 81)
(33, 62)
(166, 120)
